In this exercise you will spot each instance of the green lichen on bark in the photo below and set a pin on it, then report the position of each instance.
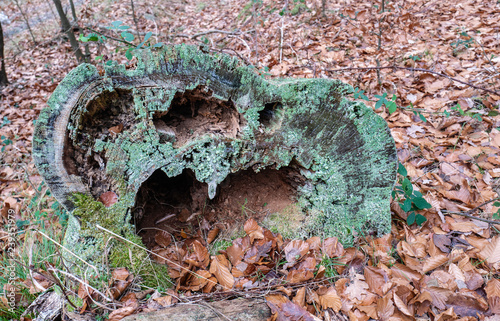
(343, 150)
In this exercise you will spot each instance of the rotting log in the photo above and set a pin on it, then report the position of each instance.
(240, 309)
(188, 134)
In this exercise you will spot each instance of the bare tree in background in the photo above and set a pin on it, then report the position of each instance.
(135, 20)
(25, 20)
(69, 31)
(73, 12)
(3, 74)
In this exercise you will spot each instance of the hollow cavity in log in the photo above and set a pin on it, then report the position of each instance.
(181, 204)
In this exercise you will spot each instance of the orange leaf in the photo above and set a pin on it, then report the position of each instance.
(116, 129)
(162, 238)
(434, 262)
(376, 279)
(300, 297)
(212, 235)
(491, 252)
(332, 247)
(401, 305)
(121, 313)
(221, 271)
(164, 301)
(328, 298)
(385, 308)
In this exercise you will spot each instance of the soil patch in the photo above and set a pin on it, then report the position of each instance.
(180, 205)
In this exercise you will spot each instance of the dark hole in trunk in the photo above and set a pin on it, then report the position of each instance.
(180, 205)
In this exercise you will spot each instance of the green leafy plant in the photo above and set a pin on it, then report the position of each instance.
(5, 121)
(496, 216)
(390, 104)
(409, 199)
(5, 141)
(330, 265)
(126, 38)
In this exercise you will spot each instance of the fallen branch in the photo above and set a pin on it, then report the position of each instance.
(472, 217)
(469, 212)
(415, 69)
(196, 35)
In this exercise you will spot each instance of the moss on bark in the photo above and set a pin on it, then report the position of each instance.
(343, 150)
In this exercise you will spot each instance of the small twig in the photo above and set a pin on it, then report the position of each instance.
(52, 279)
(472, 217)
(479, 206)
(196, 35)
(469, 212)
(415, 69)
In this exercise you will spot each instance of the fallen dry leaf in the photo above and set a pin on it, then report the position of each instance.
(220, 268)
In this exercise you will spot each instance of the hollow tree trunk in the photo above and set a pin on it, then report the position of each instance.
(193, 126)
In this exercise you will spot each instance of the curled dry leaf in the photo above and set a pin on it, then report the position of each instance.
(402, 306)
(108, 198)
(377, 280)
(385, 308)
(212, 282)
(491, 252)
(196, 282)
(120, 274)
(300, 297)
(121, 313)
(201, 253)
(84, 291)
(116, 129)
(212, 235)
(164, 301)
(493, 294)
(332, 247)
(220, 268)
(253, 230)
(240, 246)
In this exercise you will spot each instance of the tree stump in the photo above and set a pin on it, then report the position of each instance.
(189, 137)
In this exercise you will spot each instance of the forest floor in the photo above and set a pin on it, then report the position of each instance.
(438, 60)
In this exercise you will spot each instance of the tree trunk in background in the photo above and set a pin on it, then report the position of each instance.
(69, 31)
(73, 11)
(26, 20)
(3, 74)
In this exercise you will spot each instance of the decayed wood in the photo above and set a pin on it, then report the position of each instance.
(240, 309)
(182, 110)
(46, 307)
